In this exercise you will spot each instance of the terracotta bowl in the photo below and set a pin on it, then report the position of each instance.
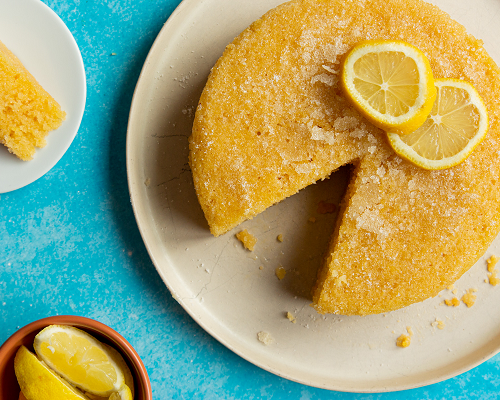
(9, 388)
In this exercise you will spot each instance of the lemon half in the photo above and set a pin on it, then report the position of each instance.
(390, 83)
(457, 123)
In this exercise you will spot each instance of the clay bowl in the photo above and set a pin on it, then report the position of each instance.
(9, 388)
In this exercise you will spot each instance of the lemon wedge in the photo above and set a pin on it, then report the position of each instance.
(80, 359)
(457, 123)
(129, 380)
(123, 394)
(390, 83)
(39, 382)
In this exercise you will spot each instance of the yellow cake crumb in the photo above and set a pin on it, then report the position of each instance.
(438, 323)
(453, 302)
(265, 338)
(279, 238)
(247, 239)
(290, 317)
(492, 276)
(261, 267)
(403, 341)
(280, 272)
(451, 287)
(27, 112)
(312, 219)
(469, 298)
(493, 279)
(491, 262)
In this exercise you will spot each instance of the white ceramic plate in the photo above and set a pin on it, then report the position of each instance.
(221, 285)
(43, 43)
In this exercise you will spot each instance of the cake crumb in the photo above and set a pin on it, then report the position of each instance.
(326, 208)
(493, 280)
(290, 317)
(247, 239)
(312, 219)
(469, 298)
(492, 276)
(438, 323)
(280, 272)
(261, 267)
(265, 338)
(451, 287)
(403, 341)
(491, 262)
(453, 302)
(279, 238)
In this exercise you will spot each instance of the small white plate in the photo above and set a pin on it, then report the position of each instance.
(46, 47)
(222, 286)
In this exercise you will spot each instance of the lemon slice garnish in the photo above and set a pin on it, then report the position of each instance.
(80, 359)
(457, 123)
(390, 83)
(37, 381)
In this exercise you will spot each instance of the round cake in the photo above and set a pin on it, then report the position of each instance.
(272, 120)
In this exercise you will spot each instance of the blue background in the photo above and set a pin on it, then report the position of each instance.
(69, 243)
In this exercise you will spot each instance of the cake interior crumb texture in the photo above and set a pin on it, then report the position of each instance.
(272, 120)
(27, 112)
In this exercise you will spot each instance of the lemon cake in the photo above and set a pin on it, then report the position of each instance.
(27, 112)
(273, 119)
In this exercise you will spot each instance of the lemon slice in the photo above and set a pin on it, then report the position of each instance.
(457, 123)
(39, 382)
(390, 83)
(79, 358)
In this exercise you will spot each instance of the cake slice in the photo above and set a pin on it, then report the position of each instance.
(272, 120)
(27, 112)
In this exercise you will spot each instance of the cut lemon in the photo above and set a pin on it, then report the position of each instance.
(79, 358)
(457, 123)
(123, 394)
(39, 382)
(129, 380)
(390, 83)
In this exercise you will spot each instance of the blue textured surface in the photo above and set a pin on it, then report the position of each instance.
(69, 243)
